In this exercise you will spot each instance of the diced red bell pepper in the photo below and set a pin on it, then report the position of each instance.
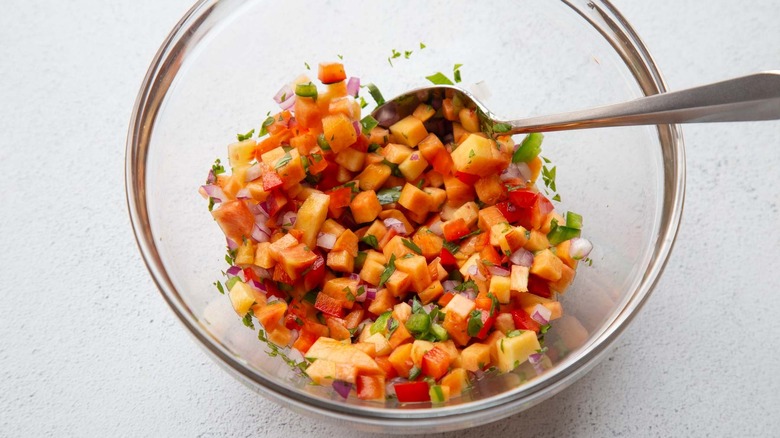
(454, 229)
(361, 144)
(435, 363)
(281, 275)
(329, 177)
(523, 198)
(409, 392)
(271, 180)
(539, 286)
(272, 290)
(467, 178)
(446, 258)
(442, 162)
(339, 200)
(483, 301)
(328, 305)
(523, 321)
(275, 202)
(316, 273)
(309, 334)
(510, 211)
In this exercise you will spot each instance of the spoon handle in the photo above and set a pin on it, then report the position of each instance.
(747, 98)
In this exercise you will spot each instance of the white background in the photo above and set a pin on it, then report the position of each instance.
(88, 347)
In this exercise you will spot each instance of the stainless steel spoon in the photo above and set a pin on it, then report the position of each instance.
(747, 98)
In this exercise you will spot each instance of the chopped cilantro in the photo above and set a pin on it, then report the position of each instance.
(274, 351)
(475, 322)
(340, 57)
(307, 65)
(219, 287)
(376, 94)
(389, 196)
(456, 72)
(283, 161)
(466, 285)
(422, 46)
(264, 128)
(371, 241)
(394, 169)
(439, 78)
(501, 127)
(363, 102)
(452, 247)
(407, 54)
(247, 319)
(420, 183)
(373, 147)
(411, 245)
(414, 373)
(473, 233)
(389, 269)
(247, 136)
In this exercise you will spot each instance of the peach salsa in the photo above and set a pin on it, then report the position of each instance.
(401, 261)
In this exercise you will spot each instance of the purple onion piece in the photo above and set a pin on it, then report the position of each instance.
(522, 257)
(254, 172)
(353, 86)
(233, 271)
(214, 191)
(283, 93)
(232, 245)
(580, 248)
(287, 104)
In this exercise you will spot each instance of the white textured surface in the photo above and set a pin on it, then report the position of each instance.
(87, 347)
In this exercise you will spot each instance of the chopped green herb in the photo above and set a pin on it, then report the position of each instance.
(411, 245)
(439, 78)
(376, 94)
(466, 285)
(501, 127)
(311, 296)
(455, 275)
(264, 128)
(340, 57)
(247, 319)
(394, 169)
(284, 286)
(247, 136)
(475, 323)
(456, 72)
(373, 147)
(274, 351)
(389, 269)
(452, 247)
(219, 287)
(389, 196)
(283, 161)
(368, 123)
(307, 65)
(217, 167)
(514, 333)
(545, 328)
(414, 373)
(360, 260)
(371, 241)
(392, 325)
(422, 46)
(363, 102)
(473, 233)
(420, 183)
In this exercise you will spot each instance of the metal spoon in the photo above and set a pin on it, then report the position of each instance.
(747, 98)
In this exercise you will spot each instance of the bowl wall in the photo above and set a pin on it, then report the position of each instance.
(217, 73)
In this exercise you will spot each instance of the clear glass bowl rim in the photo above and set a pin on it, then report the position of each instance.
(600, 14)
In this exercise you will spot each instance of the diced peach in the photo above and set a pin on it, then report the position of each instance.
(311, 217)
(398, 283)
(397, 247)
(351, 159)
(271, 314)
(296, 259)
(286, 241)
(432, 292)
(424, 112)
(338, 132)
(235, 219)
(343, 289)
(547, 265)
(347, 241)
(475, 357)
(567, 275)
(365, 207)
(409, 131)
(458, 192)
(417, 268)
(519, 279)
(263, 257)
(401, 358)
(475, 156)
(456, 380)
(414, 199)
(489, 189)
(457, 327)
(371, 272)
(341, 261)
(383, 302)
(413, 166)
(435, 363)
(537, 241)
(373, 176)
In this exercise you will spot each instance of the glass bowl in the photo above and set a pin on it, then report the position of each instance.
(215, 76)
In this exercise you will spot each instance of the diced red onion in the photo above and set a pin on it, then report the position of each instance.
(522, 257)
(256, 285)
(272, 299)
(326, 240)
(436, 228)
(516, 170)
(233, 271)
(361, 298)
(479, 373)
(342, 388)
(231, 244)
(370, 293)
(215, 192)
(580, 248)
(262, 273)
(498, 270)
(362, 325)
(535, 360)
(254, 172)
(211, 179)
(395, 224)
(284, 93)
(259, 234)
(288, 103)
(354, 276)
(356, 125)
(294, 335)
(449, 285)
(541, 314)
(469, 293)
(353, 86)
(243, 194)
(428, 307)
(288, 220)
(472, 270)
(479, 275)
(414, 157)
